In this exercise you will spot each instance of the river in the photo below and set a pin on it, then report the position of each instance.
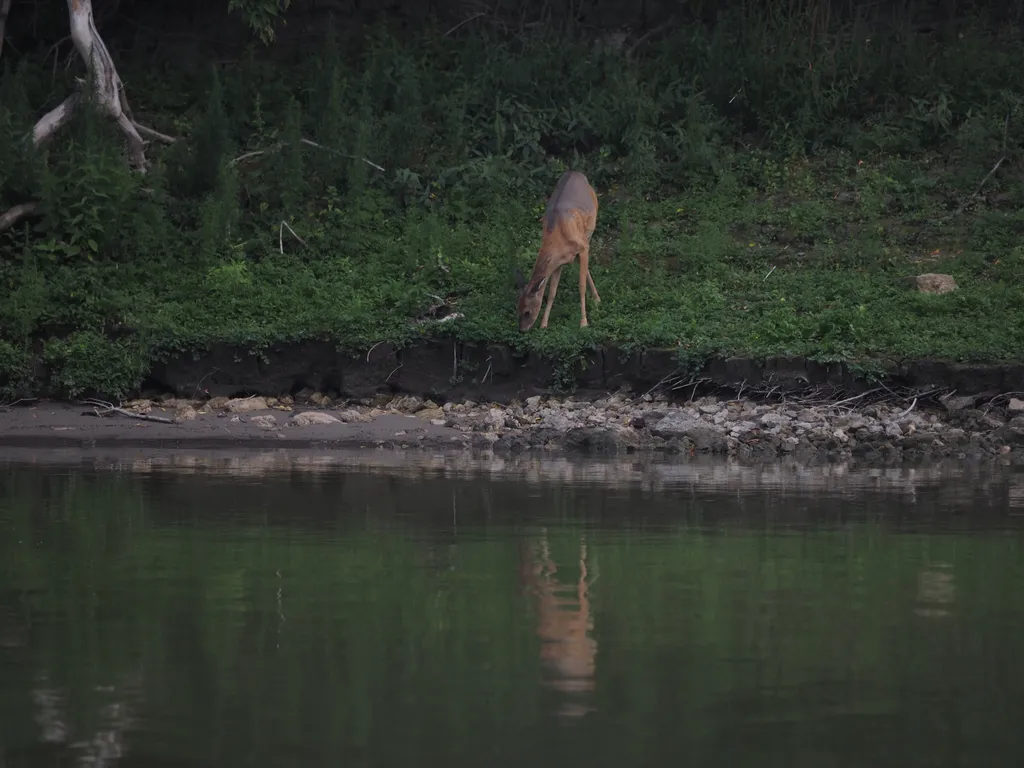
(295, 608)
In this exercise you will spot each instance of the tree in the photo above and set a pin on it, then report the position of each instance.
(105, 86)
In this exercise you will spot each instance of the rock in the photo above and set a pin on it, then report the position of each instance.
(319, 398)
(953, 404)
(431, 414)
(683, 426)
(353, 415)
(557, 421)
(894, 430)
(934, 283)
(1015, 405)
(184, 413)
(264, 421)
(245, 405)
(140, 406)
(406, 404)
(310, 418)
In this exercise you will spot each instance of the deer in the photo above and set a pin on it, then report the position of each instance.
(569, 222)
(564, 624)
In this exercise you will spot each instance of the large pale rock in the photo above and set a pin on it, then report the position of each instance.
(246, 405)
(934, 283)
(311, 418)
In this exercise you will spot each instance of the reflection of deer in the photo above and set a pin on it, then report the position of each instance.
(563, 624)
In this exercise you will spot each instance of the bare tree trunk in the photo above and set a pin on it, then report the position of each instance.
(5, 9)
(108, 89)
(103, 74)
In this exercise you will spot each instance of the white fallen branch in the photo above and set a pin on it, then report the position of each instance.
(280, 235)
(109, 409)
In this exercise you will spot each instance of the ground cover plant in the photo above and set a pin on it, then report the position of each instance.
(767, 179)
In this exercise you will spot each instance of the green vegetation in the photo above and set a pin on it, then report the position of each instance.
(765, 185)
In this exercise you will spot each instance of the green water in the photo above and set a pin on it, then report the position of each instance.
(301, 611)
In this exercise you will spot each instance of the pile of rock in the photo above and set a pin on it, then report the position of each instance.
(617, 423)
(736, 427)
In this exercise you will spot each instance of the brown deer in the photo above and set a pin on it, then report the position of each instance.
(569, 222)
(564, 624)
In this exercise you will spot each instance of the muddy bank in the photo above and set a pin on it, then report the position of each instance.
(452, 370)
(615, 424)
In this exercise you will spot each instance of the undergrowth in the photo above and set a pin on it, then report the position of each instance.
(764, 189)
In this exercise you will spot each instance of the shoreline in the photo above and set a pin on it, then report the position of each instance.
(966, 428)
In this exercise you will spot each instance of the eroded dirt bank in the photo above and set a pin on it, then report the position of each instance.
(965, 427)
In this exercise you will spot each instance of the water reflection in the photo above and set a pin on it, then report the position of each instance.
(564, 624)
(935, 591)
(334, 609)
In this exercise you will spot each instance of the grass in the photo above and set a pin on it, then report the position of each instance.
(711, 239)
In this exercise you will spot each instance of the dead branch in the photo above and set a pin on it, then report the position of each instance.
(155, 135)
(984, 181)
(5, 10)
(109, 409)
(461, 23)
(13, 215)
(309, 143)
(280, 235)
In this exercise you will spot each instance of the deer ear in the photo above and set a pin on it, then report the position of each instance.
(520, 279)
(539, 287)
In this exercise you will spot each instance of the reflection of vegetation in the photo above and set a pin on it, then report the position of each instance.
(336, 618)
(829, 151)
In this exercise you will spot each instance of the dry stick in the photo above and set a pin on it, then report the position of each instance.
(309, 143)
(464, 21)
(999, 162)
(900, 416)
(110, 409)
(280, 235)
(153, 134)
(857, 397)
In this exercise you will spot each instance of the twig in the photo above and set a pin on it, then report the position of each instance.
(8, 406)
(208, 374)
(15, 214)
(904, 413)
(999, 162)
(309, 143)
(647, 36)
(371, 350)
(464, 21)
(769, 274)
(280, 235)
(110, 409)
(856, 397)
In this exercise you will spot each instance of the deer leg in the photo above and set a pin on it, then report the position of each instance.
(552, 290)
(593, 288)
(584, 274)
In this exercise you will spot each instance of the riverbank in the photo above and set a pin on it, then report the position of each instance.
(330, 227)
(966, 427)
